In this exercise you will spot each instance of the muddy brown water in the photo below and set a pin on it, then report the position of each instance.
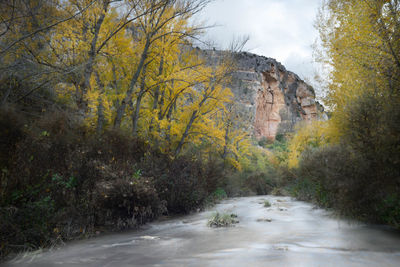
(289, 233)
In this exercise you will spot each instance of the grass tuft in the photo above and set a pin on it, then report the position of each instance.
(222, 220)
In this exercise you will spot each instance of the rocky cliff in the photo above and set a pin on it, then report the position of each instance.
(270, 99)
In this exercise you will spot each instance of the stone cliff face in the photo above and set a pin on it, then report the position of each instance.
(271, 100)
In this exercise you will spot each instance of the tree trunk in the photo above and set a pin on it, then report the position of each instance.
(88, 70)
(5, 96)
(192, 119)
(169, 116)
(100, 116)
(100, 108)
(226, 141)
(156, 93)
(115, 85)
(128, 96)
(136, 113)
(161, 114)
(186, 133)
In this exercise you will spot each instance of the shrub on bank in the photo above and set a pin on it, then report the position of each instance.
(337, 177)
(357, 174)
(60, 182)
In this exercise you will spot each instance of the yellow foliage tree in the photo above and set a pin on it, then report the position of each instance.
(360, 44)
(131, 65)
(315, 134)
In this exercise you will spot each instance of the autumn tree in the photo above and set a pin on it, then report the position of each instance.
(236, 143)
(24, 27)
(88, 35)
(352, 160)
(360, 44)
(150, 29)
(129, 65)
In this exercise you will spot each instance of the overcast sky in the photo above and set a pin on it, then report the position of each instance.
(281, 29)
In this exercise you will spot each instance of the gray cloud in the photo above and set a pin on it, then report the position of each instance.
(281, 29)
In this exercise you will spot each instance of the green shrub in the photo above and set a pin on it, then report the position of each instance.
(179, 182)
(130, 203)
(280, 138)
(235, 185)
(329, 176)
(280, 191)
(259, 183)
(351, 180)
(264, 142)
(219, 194)
(388, 210)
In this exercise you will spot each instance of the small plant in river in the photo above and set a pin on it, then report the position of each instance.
(222, 220)
(267, 204)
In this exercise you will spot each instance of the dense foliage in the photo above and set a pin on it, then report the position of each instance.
(126, 65)
(61, 182)
(109, 117)
(352, 161)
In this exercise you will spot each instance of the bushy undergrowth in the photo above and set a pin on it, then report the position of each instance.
(337, 177)
(59, 182)
(360, 176)
(248, 183)
(258, 176)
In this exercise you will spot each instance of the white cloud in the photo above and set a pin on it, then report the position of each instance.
(281, 29)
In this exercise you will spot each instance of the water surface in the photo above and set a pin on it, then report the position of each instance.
(289, 233)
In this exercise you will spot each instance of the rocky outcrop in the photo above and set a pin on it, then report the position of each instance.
(270, 100)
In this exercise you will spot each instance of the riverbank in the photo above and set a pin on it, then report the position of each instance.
(60, 182)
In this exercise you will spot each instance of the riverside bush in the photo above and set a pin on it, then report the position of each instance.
(59, 181)
(359, 174)
(259, 183)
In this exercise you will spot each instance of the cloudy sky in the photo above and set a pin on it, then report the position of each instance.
(281, 29)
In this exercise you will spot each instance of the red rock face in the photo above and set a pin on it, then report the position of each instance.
(306, 99)
(270, 100)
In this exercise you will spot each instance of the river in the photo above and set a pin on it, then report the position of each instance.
(289, 233)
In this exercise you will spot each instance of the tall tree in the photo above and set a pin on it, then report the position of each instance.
(151, 28)
(360, 43)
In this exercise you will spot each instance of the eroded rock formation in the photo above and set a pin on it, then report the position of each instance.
(271, 100)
